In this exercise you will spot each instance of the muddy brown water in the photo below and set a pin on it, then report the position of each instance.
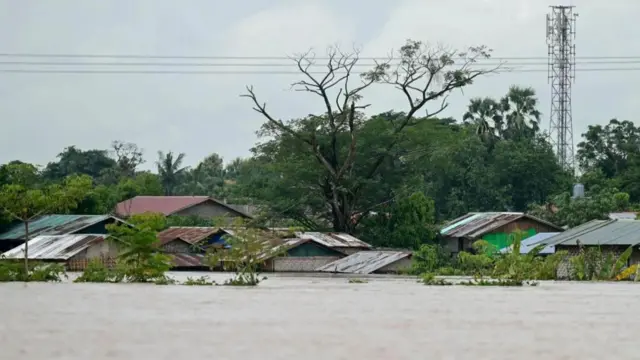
(323, 318)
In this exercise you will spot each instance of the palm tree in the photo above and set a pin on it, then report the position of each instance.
(486, 115)
(521, 113)
(170, 170)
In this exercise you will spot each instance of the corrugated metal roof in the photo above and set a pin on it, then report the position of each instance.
(166, 205)
(334, 240)
(60, 247)
(364, 262)
(599, 232)
(474, 225)
(530, 243)
(627, 215)
(188, 260)
(54, 225)
(191, 235)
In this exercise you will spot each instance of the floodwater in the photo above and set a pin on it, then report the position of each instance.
(318, 318)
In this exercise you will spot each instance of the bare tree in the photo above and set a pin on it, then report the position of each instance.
(128, 156)
(423, 74)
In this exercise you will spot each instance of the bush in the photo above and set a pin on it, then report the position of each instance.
(203, 280)
(43, 272)
(428, 258)
(97, 272)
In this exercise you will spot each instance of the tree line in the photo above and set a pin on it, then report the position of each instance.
(387, 177)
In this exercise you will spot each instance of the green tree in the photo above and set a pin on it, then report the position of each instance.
(425, 76)
(609, 148)
(528, 172)
(520, 112)
(407, 224)
(573, 212)
(141, 260)
(207, 178)
(170, 171)
(485, 114)
(25, 202)
(73, 161)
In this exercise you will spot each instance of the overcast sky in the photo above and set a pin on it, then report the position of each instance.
(200, 114)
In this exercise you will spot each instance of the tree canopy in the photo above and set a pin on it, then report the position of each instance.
(389, 177)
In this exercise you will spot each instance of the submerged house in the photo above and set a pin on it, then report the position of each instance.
(371, 262)
(201, 206)
(187, 245)
(283, 250)
(611, 236)
(493, 227)
(300, 255)
(341, 242)
(56, 225)
(75, 251)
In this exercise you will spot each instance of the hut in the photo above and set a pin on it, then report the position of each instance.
(493, 227)
(75, 251)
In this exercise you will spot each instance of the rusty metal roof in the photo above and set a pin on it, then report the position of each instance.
(167, 205)
(188, 234)
(188, 260)
(55, 247)
(54, 225)
(364, 262)
(474, 225)
(333, 240)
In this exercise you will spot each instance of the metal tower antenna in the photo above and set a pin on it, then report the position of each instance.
(561, 32)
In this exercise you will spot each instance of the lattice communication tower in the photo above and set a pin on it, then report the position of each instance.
(561, 32)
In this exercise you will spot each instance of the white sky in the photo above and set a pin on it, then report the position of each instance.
(199, 114)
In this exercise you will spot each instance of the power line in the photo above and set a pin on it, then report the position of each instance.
(256, 72)
(187, 64)
(195, 57)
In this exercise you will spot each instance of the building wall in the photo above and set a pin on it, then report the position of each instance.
(564, 269)
(208, 210)
(177, 246)
(399, 266)
(525, 225)
(106, 251)
(299, 264)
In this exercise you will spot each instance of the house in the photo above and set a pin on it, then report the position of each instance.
(300, 255)
(186, 245)
(342, 242)
(186, 239)
(202, 206)
(532, 242)
(493, 227)
(368, 262)
(613, 235)
(75, 251)
(56, 225)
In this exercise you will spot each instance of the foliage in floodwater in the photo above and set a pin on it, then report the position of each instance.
(11, 271)
(199, 281)
(141, 260)
(591, 263)
(357, 281)
(97, 272)
(430, 279)
(248, 250)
